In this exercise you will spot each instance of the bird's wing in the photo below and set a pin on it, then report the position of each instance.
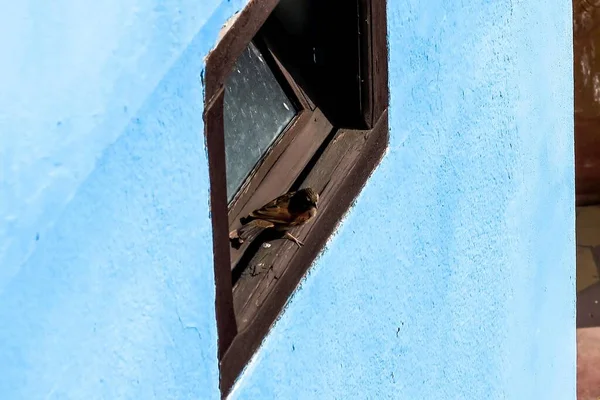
(275, 211)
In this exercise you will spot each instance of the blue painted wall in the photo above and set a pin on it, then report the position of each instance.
(106, 287)
(106, 278)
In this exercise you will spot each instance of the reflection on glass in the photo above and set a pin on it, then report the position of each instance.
(256, 110)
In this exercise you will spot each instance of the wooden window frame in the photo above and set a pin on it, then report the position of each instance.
(311, 152)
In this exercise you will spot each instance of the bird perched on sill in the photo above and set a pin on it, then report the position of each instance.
(285, 212)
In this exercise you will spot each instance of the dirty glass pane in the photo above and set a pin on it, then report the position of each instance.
(256, 110)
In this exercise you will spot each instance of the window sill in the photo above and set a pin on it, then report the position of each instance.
(275, 269)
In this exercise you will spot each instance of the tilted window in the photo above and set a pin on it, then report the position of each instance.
(295, 96)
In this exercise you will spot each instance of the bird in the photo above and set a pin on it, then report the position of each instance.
(289, 210)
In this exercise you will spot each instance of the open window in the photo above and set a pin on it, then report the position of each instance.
(295, 96)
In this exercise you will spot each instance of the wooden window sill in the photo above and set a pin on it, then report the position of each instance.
(277, 268)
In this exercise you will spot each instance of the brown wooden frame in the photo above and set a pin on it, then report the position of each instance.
(311, 152)
(289, 154)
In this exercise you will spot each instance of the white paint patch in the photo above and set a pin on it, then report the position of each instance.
(226, 27)
(583, 22)
(596, 82)
(585, 67)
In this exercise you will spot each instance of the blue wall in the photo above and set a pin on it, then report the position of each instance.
(106, 287)
(106, 278)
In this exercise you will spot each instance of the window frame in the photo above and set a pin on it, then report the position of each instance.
(308, 123)
(336, 160)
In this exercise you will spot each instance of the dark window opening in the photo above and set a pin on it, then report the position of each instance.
(295, 96)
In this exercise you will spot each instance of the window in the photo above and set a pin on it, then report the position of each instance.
(295, 96)
(256, 110)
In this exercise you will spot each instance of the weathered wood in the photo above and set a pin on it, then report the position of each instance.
(283, 171)
(587, 161)
(269, 263)
(311, 152)
(215, 140)
(221, 60)
(379, 56)
(340, 174)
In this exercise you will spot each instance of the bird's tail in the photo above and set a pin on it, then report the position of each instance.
(250, 230)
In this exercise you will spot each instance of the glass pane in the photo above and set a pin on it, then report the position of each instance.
(256, 110)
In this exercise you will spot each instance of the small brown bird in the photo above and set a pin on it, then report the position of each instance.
(285, 212)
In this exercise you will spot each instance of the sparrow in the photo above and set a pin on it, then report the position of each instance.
(281, 214)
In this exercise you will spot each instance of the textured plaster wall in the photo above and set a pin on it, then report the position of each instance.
(452, 277)
(106, 278)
